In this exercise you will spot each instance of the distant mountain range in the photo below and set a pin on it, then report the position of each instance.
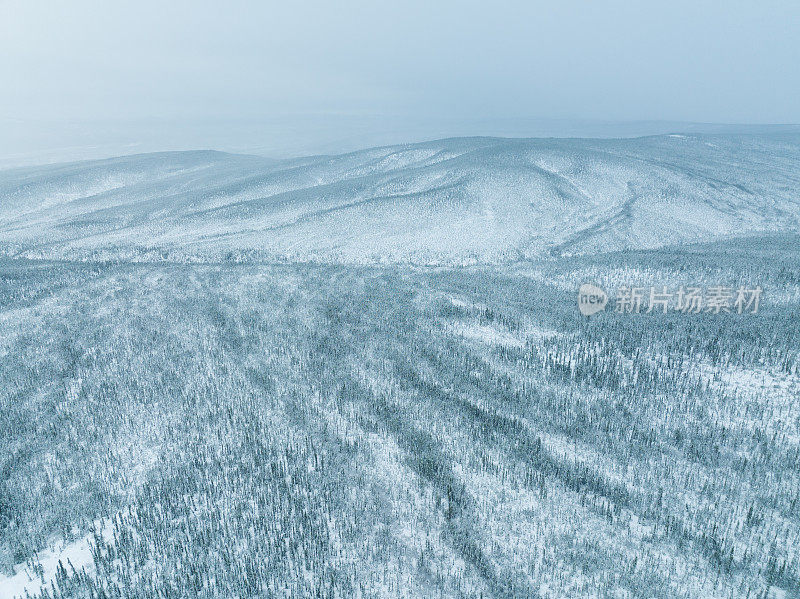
(456, 200)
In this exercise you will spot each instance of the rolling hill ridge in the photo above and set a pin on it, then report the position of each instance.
(449, 201)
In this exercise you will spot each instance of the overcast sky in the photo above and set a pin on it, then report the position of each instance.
(724, 61)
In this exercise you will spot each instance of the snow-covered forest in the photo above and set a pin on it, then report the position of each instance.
(187, 413)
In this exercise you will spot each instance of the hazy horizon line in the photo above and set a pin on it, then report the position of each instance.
(280, 138)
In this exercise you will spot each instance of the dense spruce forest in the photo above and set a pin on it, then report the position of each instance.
(323, 430)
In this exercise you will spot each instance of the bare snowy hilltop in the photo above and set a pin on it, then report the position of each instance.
(367, 375)
(452, 201)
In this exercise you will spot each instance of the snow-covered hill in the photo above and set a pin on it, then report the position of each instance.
(451, 201)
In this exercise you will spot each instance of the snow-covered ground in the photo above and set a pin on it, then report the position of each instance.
(39, 572)
(456, 201)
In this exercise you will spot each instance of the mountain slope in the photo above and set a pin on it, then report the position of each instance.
(453, 200)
